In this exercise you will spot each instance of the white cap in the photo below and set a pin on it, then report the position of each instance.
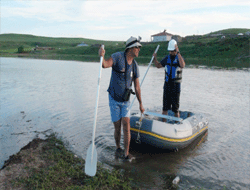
(171, 45)
(133, 42)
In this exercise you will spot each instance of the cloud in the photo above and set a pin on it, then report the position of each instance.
(78, 11)
(126, 16)
(106, 27)
(199, 18)
(213, 18)
(44, 10)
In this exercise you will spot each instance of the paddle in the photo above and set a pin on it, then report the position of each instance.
(91, 159)
(145, 75)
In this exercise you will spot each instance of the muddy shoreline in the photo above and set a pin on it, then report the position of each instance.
(46, 164)
(17, 165)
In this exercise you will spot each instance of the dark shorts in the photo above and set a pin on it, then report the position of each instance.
(171, 97)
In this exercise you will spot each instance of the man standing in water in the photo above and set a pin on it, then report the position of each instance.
(173, 64)
(124, 70)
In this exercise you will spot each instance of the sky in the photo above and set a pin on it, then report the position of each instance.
(120, 19)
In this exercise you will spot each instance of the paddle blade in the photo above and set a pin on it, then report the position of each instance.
(91, 161)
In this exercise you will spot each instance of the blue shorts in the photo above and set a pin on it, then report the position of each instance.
(118, 109)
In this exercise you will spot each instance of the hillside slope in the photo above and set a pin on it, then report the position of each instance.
(232, 51)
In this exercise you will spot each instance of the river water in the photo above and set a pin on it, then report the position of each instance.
(41, 96)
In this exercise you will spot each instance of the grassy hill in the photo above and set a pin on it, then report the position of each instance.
(232, 31)
(13, 40)
(233, 51)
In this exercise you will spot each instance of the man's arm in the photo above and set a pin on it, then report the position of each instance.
(181, 60)
(105, 63)
(157, 63)
(138, 94)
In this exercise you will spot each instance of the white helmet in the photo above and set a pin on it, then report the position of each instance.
(171, 45)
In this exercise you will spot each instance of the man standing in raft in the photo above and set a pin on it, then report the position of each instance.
(173, 64)
(124, 70)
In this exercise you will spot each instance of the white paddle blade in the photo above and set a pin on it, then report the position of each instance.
(91, 161)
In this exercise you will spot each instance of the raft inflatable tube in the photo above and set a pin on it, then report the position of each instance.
(175, 133)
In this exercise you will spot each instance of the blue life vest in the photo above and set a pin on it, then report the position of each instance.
(172, 70)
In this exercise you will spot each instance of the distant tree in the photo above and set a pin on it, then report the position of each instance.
(20, 49)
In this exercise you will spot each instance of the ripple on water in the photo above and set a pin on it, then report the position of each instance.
(60, 96)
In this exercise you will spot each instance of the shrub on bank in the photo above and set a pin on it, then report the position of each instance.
(20, 49)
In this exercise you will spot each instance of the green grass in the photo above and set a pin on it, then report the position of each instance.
(66, 171)
(203, 50)
(31, 40)
(231, 52)
(231, 31)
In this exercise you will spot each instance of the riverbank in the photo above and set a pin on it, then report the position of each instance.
(96, 59)
(47, 164)
(228, 52)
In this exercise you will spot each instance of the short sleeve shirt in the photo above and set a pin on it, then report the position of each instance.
(117, 84)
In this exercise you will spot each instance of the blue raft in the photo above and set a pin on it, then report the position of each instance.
(175, 133)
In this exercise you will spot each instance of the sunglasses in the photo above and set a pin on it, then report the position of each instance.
(137, 47)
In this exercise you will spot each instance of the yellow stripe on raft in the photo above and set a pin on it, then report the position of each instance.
(168, 139)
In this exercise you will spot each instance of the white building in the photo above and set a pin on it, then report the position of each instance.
(82, 44)
(161, 37)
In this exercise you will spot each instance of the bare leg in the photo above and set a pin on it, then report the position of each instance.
(117, 133)
(177, 114)
(164, 113)
(126, 132)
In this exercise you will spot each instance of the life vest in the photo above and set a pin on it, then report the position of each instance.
(173, 69)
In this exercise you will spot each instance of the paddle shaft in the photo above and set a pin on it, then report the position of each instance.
(97, 100)
(91, 158)
(145, 74)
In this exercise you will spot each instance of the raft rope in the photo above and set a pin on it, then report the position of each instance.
(139, 124)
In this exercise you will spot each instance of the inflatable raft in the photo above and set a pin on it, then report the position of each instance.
(175, 133)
